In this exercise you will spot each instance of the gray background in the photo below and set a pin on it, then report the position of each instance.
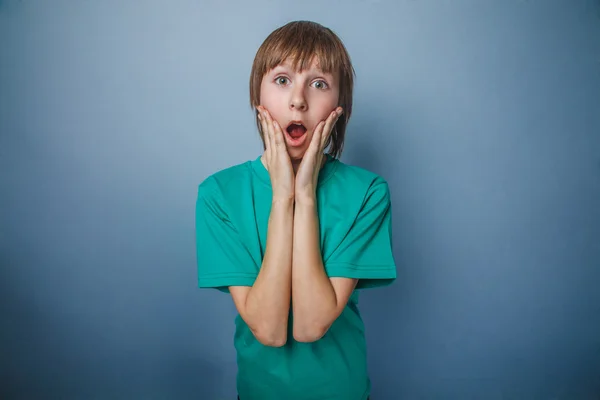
(484, 116)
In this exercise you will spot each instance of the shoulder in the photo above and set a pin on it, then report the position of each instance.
(361, 180)
(225, 180)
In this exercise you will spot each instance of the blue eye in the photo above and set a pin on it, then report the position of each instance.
(281, 80)
(320, 85)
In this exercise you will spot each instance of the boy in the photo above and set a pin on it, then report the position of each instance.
(292, 234)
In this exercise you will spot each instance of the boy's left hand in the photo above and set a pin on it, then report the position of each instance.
(307, 176)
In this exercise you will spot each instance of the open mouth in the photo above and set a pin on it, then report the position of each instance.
(295, 134)
(296, 130)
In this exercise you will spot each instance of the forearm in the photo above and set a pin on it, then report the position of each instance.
(313, 297)
(268, 302)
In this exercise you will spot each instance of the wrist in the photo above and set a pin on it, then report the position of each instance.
(282, 201)
(306, 199)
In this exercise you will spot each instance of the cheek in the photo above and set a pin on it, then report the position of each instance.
(335, 101)
(328, 103)
(326, 106)
(264, 94)
(269, 98)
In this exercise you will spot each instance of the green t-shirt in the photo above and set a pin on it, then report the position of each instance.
(354, 211)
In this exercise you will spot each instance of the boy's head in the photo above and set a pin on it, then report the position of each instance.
(301, 73)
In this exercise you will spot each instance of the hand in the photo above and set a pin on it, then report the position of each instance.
(276, 157)
(307, 175)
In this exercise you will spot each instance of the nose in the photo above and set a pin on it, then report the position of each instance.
(298, 100)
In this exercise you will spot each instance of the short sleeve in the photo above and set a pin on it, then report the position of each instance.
(222, 258)
(365, 253)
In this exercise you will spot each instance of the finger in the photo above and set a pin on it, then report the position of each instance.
(313, 147)
(329, 123)
(327, 138)
(275, 130)
(270, 129)
(278, 134)
(270, 148)
(265, 132)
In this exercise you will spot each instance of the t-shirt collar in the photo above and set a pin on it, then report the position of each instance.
(325, 173)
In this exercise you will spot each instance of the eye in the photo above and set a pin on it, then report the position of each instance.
(320, 84)
(281, 80)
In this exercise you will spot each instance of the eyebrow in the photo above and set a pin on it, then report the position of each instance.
(287, 65)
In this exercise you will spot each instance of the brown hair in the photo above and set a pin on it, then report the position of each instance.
(301, 42)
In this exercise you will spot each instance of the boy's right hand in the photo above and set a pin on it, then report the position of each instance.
(276, 158)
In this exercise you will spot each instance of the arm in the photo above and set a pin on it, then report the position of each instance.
(317, 300)
(265, 306)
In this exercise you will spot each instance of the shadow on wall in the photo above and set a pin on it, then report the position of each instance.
(53, 355)
(369, 146)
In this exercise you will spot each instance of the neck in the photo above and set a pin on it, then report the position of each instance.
(296, 163)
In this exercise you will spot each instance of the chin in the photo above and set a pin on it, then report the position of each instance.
(296, 154)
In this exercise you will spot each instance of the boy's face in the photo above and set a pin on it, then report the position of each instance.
(298, 101)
